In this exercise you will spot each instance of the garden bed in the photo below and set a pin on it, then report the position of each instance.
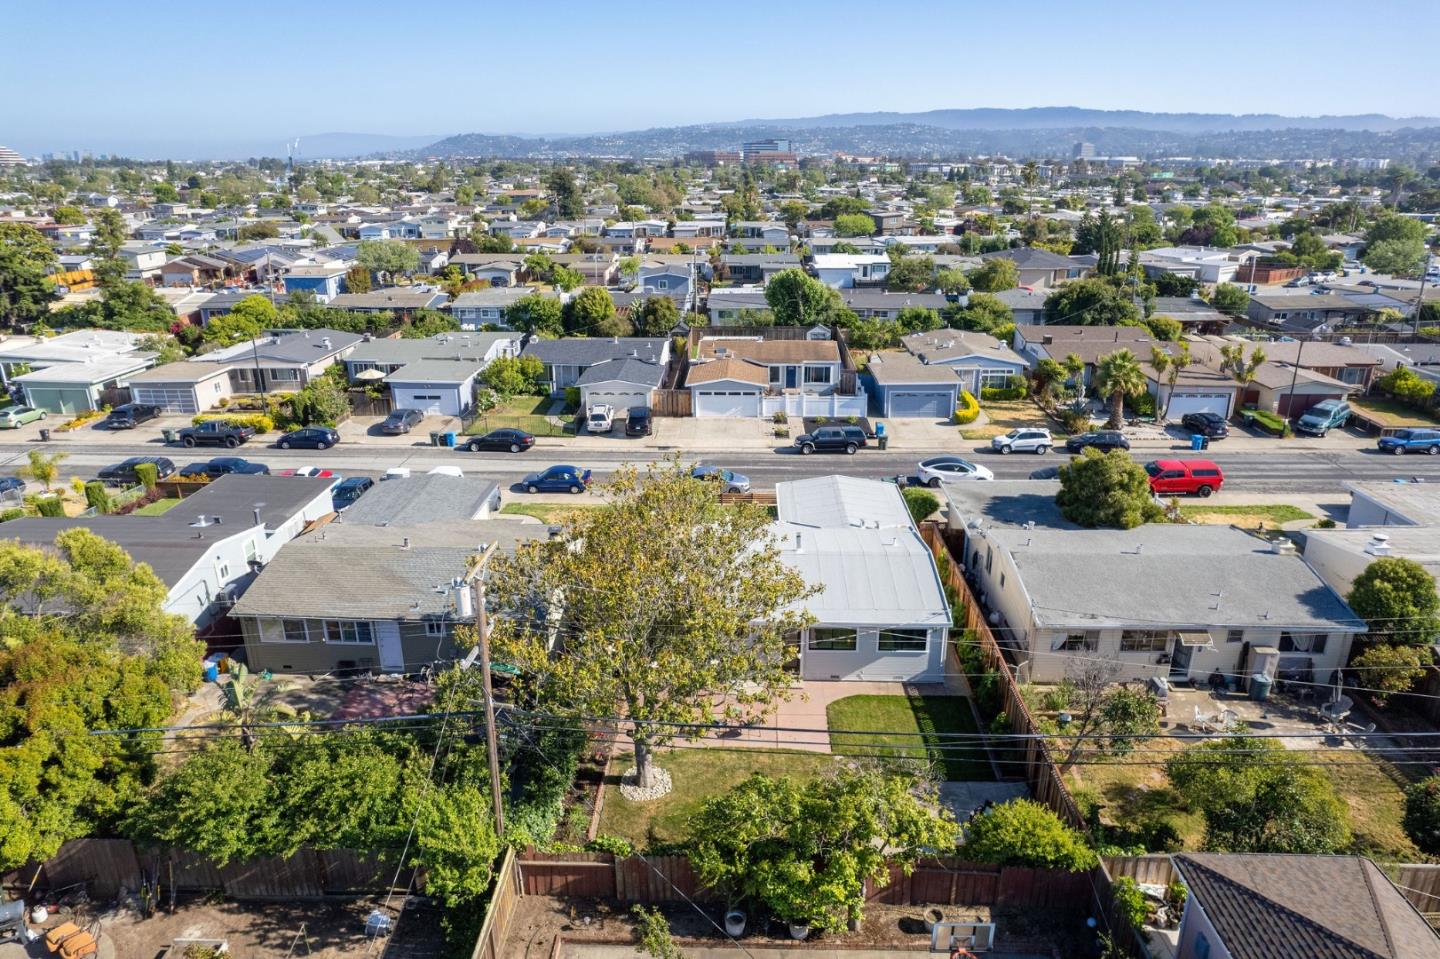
(1002, 416)
(811, 423)
(1265, 516)
(1272, 424)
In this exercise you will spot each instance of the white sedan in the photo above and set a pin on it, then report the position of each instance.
(937, 469)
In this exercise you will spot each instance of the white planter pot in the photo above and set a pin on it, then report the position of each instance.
(799, 932)
(735, 923)
(933, 917)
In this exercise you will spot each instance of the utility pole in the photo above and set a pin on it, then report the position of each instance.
(482, 633)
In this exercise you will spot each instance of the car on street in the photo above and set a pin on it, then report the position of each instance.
(1046, 473)
(1323, 417)
(1027, 439)
(123, 473)
(638, 421)
(313, 472)
(1184, 477)
(1411, 441)
(309, 438)
(11, 487)
(130, 415)
(937, 469)
(506, 440)
(14, 417)
(1209, 425)
(831, 439)
(215, 433)
(729, 481)
(349, 490)
(557, 479)
(1102, 440)
(600, 418)
(222, 466)
(401, 421)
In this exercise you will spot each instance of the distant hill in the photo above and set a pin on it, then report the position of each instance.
(337, 146)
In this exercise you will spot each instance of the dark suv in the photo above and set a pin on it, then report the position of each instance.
(124, 473)
(400, 422)
(1209, 425)
(130, 415)
(831, 439)
(215, 433)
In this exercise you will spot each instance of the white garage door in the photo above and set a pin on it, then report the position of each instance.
(917, 403)
(621, 400)
(1182, 403)
(723, 403)
(431, 403)
(176, 400)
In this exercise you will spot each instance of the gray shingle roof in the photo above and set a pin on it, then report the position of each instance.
(421, 499)
(627, 370)
(589, 350)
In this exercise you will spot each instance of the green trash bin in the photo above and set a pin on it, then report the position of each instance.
(169, 434)
(435, 438)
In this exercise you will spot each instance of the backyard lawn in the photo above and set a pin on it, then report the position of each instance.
(911, 727)
(158, 507)
(1269, 516)
(1002, 416)
(528, 413)
(1390, 413)
(1372, 791)
(697, 774)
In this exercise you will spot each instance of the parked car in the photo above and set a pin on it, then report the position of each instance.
(349, 490)
(1411, 441)
(14, 417)
(1323, 417)
(130, 415)
(11, 487)
(638, 421)
(1046, 473)
(123, 473)
(557, 479)
(937, 469)
(728, 480)
(1209, 425)
(515, 441)
(401, 421)
(599, 418)
(215, 433)
(1184, 477)
(831, 439)
(223, 465)
(1102, 440)
(1025, 440)
(309, 438)
(313, 472)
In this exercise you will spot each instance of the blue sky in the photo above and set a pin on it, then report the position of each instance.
(110, 76)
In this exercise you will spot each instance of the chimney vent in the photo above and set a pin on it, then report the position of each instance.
(1379, 545)
(405, 543)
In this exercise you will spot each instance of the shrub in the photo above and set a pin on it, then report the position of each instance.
(1022, 832)
(544, 776)
(147, 474)
(1014, 389)
(1271, 423)
(1074, 421)
(81, 419)
(97, 497)
(779, 418)
(968, 410)
(9, 514)
(1422, 814)
(1143, 404)
(572, 397)
(50, 506)
(920, 502)
(1326, 523)
(615, 845)
(1130, 902)
(261, 422)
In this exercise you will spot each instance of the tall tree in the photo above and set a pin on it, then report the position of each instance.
(389, 257)
(26, 260)
(1396, 597)
(108, 234)
(666, 602)
(1091, 302)
(798, 299)
(1242, 369)
(1170, 366)
(1118, 376)
(995, 275)
(569, 203)
(593, 313)
(657, 316)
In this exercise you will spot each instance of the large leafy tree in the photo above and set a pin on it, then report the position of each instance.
(1396, 597)
(108, 234)
(664, 601)
(657, 316)
(1230, 298)
(389, 257)
(995, 275)
(1394, 244)
(1258, 797)
(804, 850)
(1117, 376)
(569, 202)
(26, 261)
(593, 313)
(1092, 302)
(536, 313)
(798, 299)
(1022, 832)
(1106, 489)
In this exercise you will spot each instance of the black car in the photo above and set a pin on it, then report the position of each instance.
(1210, 425)
(221, 465)
(1102, 440)
(125, 472)
(130, 415)
(514, 441)
(401, 421)
(215, 433)
(349, 490)
(637, 421)
(831, 439)
(309, 438)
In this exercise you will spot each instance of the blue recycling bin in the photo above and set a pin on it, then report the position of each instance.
(212, 673)
(450, 439)
(1197, 442)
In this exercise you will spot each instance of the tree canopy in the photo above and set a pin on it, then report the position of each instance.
(1091, 302)
(798, 299)
(996, 275)
(391, 257)
(1106, 489)
(1396, 597)
(26, 260)
(1022, 832)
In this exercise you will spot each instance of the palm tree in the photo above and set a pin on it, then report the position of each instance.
(1241, 369)
(43, 468)
(1170, 367)
(1119, 375)
(1075, 376)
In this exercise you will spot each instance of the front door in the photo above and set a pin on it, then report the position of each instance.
(1180, 662)
(392, 654)
(791, 377)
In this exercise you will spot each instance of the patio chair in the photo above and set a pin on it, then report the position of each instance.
(1204, 721)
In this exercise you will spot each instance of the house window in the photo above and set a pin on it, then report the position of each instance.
(294, 630)
(995, 379)
(435, 627)
(250, 551)
(1086, 641)
(777, 375)
(1234, 635)
(832, 640)
(1144, 641)
(661, 283)
(904, 640)
(284, 376)
(817, 374)
(348, 631)
(1302, 642)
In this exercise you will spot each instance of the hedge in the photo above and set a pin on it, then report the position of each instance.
(50, 506)
(1013, 390)
(968, 410)
(260, 421)
(1271, 423)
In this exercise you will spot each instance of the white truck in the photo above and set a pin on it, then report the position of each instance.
(599, 418)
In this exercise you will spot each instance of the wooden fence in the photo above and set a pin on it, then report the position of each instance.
(1033, 757)
(106, 866)
(493, 932)
(765, 497)
(670, 402)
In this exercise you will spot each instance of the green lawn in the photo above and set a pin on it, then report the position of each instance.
(158, 507)
(528, 413)
(1002, 416)
(545, 512)
(1271, 516)
(887, 726)
(697, 773)
(1390, 413)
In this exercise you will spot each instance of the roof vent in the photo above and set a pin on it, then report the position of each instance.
(201, 522)
(1282, 547)
(799, 546)
(405, 543)
(1379, 545)
(325, 342)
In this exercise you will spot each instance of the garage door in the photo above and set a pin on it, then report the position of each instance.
(431, 404)
(58, 399)
(723, 403)
(935, 405)
(621, 400)
(178, 400)
(1182, 403)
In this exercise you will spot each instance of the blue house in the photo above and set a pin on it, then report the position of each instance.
(325, 282)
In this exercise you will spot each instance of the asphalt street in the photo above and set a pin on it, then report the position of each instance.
(1276, 471)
